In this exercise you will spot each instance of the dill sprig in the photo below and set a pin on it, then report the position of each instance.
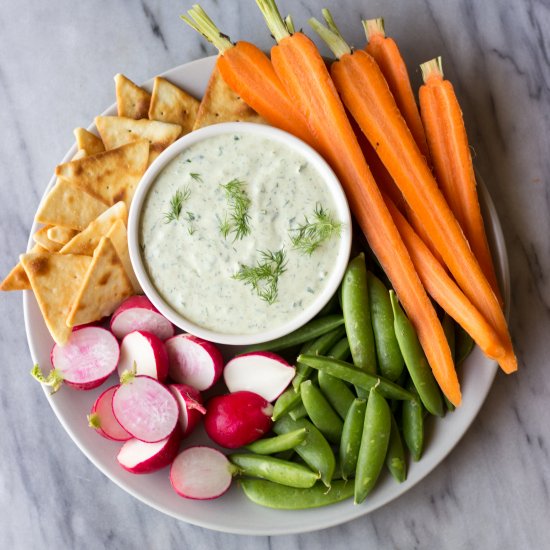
(196, 176)
(311, 234)
(190, 218)
(264, 276)
(176, 204)
(239, 203)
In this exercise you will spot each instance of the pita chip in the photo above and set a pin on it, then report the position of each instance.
(41, 237)
(55, 280)
(88, 142)
(17, 278)
(131, 100)
(61, 235)
(116, 131)
(111, 176)
(105, 286)
(69, 206)
(86, 241)
(80, 154)
(172, 104)
(221, 104)
(119, 238)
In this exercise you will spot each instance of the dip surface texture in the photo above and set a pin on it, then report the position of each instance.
(193, 258)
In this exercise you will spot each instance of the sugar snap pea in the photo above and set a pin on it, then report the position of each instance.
(282, 497)
(356, 376)
(320, 412)
(340, 350)
(274, 469)
(332, 306)
(351, 437)
(449, 329)
(412, 416)
(299, 411)
(464, 345)
(337, 393)
(396, 460)
(415, 360)
(390, 359)
(277, 444)
(285, 402)
(374, 445)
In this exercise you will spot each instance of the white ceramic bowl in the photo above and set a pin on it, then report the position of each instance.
(342, 214)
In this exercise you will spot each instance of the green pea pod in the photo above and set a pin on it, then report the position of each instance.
(390, 359)
(396, 460)
(314, 450)
(340, 350)
(277, 444)
(351, 437)
(449, 329)
(273, 495)
(464, 345)
(337, 393)
(299, 411)
(285, 402)
(319, 346)
(356, 376)
(412, 416)
(315, 328)
(320, 412)
(357, 318)
(274, 469)
(331, 307)
(415, 360)
(374, 445)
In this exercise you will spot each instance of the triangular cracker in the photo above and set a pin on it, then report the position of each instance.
(80, 154)
(91, 143)
(221, 104)
(69, 206)
(116, 131)
(105, 286)
(111, 176)
(41, 237)
(61, 235)
(86, 241)
(55, 280)
(131, 100)
(119, 238)
(17, 278)
(172, 104)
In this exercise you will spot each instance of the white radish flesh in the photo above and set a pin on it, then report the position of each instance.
(87, 359)
(264, 373)
(190, 404)
(138, 457)
(201, 473)
(138, 313)
(146, 352)
(103, 420)
(145, 408)
(194, 361)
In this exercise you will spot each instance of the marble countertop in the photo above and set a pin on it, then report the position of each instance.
(56, 66)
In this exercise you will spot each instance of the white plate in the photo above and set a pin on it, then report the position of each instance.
(233, 513)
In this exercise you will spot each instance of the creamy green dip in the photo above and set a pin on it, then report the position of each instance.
(194, 258)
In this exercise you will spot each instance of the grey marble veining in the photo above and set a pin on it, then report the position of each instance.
(57, 60)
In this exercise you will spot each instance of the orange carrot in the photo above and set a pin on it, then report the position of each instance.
(385, 52)
(444, 290)
(301, 68)
(365, 93)
(249, 73)
(452, 161)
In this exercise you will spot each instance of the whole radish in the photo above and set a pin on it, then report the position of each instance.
(236, 419)
(190, 404)
(102, 419)
(146, 352)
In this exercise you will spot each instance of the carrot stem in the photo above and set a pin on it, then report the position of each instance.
(199, 20)
(334, 39)
(273, 19)
(373, 27)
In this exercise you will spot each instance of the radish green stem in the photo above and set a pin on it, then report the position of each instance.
(128, 375)
(333, 38)
(434, 67)
(54, 378)
(273, 19)
(199, 20)
(374, 26)
(93, 421)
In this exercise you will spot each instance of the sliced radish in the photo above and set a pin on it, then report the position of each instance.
(145, 408)
(190, 403)
(146, 352)
(138, 457)
(138, 313)
(264, 373)
(84, 362)
(194, 361)
(102, 419)
(236, 419)
(201, 473)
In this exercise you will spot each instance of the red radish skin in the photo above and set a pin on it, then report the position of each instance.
(264, 373)
(88, 358)
(138, 313)
(102, 419)
(190, 404)
(237, 419)
(145, 351)
(194, 361)
(145, 408)
(138, 457)
(201, 473)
